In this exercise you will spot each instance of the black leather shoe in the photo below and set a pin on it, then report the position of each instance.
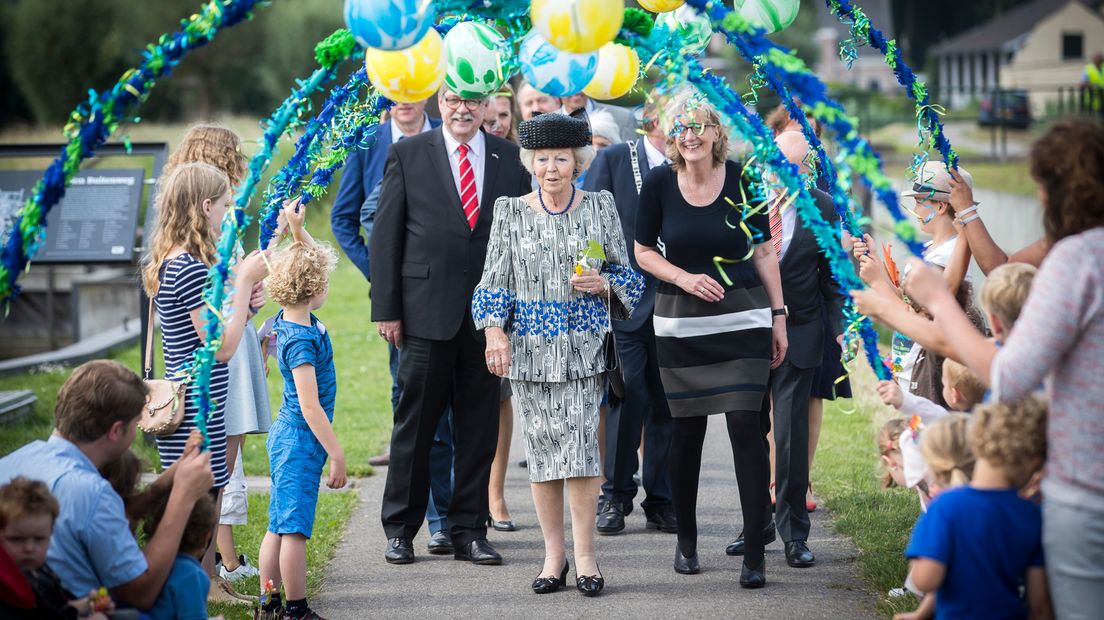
(753, 577)
(547, 585)
(685, 565)
(478, 552)
(736, 547)
(612, 519)
(399, 551)
(590, 585)
(798, 554)
(663, 520)
(501, 526)
(440, 543)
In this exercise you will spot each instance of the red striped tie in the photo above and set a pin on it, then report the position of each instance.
(469, 198)
(776, 227)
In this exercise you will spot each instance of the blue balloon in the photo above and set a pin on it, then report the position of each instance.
(554, 71)
(389, 24)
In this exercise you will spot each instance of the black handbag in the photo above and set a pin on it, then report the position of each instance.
(614, 374)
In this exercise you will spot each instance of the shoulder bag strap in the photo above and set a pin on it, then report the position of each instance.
(149, 340)
(635, 165)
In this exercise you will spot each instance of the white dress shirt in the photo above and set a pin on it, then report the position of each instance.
(656, 157)
(477, 157)
(397, 134)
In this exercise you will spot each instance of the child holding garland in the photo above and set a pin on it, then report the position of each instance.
(302, 435)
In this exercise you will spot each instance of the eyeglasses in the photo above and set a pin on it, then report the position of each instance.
(698, 128)
(454, 103)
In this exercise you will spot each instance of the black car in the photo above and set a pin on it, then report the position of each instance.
(1006, 107)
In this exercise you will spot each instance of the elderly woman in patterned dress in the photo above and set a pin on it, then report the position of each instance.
(545, 304)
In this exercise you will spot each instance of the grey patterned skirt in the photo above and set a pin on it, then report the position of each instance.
(560, 424)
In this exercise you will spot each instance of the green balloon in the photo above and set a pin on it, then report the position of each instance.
(771, 15)
(474, 55)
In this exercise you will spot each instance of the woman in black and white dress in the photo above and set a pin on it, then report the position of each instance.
(546, 322)
(716, 337)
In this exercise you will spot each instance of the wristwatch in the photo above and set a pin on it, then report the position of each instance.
(783, 311)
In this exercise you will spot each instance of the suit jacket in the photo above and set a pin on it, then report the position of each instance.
(612, 171)
(362, 174)
(808, 288)
(426, 260)
(625, 120)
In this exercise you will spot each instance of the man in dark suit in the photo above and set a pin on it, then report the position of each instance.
(355, 209)
(427, 250)
(808, 289)
(620, 168)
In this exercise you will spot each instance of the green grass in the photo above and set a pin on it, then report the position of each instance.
(847, 480)
(1010, 177)
(362, 417)
(333, 512)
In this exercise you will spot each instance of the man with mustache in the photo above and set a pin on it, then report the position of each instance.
(427, 251)
(355, 209)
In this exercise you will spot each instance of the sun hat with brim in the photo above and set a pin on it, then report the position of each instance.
(553, 131)
(933, 182)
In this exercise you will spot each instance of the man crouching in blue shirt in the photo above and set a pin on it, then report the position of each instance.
(978, 544)
(95, 421)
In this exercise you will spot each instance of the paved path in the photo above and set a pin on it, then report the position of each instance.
(640, 582)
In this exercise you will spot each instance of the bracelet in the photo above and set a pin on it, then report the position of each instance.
(968, 210)
(969, 219)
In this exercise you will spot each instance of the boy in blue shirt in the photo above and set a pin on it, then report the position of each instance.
(184, 596)
(302, 436)
(979, 543)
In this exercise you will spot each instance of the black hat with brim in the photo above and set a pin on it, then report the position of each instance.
(553, 131)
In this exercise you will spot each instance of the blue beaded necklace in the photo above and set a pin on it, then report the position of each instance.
(540, 197)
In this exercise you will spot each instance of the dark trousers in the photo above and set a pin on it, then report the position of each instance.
(790, 387)
(440, 455)
(432, 375)
(752, 476)
(643, 407)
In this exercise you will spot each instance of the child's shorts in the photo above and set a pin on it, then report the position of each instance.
(296, 460)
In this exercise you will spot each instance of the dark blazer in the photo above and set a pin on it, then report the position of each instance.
(612, 171)
(807, 288)
(426, 262)
(362, 173)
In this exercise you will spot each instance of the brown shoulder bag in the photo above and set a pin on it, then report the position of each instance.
(164, 410)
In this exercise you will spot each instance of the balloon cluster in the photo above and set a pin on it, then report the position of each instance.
(570, 48)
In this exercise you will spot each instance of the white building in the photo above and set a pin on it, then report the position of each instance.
(1041, 46)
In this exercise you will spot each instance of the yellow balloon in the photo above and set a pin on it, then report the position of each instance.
(577, 26)
(408, 75)
(661, 6)
(618, 68)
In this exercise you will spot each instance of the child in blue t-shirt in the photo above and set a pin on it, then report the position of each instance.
(184, 595)
(302, 436)
(978, 544)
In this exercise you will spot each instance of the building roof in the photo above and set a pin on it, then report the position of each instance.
(995, 34)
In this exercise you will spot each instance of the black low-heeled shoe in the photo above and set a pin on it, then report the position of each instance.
(752, 578)
(686, 565)
(590, 585)
(547, 585)
(501, 526)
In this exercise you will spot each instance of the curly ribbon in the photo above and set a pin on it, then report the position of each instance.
(288, 180)
(330, 54)
(863, 32)
(94, 121)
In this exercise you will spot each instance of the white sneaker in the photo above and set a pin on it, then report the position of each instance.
(245, 570)
(898, 592)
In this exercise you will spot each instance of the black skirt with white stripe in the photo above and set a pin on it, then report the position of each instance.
(714, 357)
